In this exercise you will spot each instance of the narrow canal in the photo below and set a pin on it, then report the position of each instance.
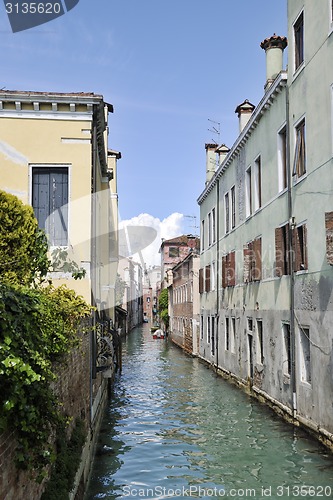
(173, 429)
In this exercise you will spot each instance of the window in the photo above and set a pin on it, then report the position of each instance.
(214, 225)
(173, 252)
(208, 329)
(329, 237)
(233, 207)
(305, 359)
(252, 261)
(229, 270)
(148, 299)
(260, 343)
(282, 252)
(233, 335)
(212, 276)
(248, 192)
(226, 213)
(257, 183)
(282, 159)
(209, 230)
(300, 248)
(202, 238)
(286, 363)
(213, 335)
(282, 259)
(50, 202)
(299, 168)
(201, 327)
(227, 334)
(207, 279)
(299, 41)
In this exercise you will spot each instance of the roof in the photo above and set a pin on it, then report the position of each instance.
(181, 241)
(275, 89)
(188, 257)
(90, 97)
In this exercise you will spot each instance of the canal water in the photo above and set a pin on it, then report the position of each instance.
(174, 429)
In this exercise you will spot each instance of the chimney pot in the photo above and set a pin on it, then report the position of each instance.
(244, 112)
(210, 161)
(274, 47)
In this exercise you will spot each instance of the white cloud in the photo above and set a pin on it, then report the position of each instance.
(170, 227)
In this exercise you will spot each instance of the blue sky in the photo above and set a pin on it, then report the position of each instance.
(167, 67)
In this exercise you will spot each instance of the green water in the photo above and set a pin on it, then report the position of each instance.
(176, 430)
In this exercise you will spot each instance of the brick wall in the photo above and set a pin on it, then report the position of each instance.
(73, 389)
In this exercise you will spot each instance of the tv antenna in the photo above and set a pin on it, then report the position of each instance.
(194, 217)
(216, 129)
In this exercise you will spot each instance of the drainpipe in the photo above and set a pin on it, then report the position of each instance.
(291, 261)
(217, 225)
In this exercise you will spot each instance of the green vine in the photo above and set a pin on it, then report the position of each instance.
(38, 327)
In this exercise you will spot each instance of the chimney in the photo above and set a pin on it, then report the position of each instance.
(274, 47)
(222, 151)
(210, 161)
(244, 112)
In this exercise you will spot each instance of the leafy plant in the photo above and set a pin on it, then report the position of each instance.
(60, 261)
(38, 327)
(23, 246)
(163, 303)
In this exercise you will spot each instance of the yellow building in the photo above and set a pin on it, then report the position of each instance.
(54, 156)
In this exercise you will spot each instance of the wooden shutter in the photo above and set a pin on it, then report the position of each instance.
(329, 236)
(50, 202)
(279, 252)
(231, 270)
(247, 263)
(201, 281)
(224, 271)
(256, 260)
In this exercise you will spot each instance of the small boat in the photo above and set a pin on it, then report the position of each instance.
(158, 334)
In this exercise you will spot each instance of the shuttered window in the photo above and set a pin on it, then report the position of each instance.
(201, 280)
(50, 202)
(329, 237)
(282, 260)
(282, 256)
(252, 261)
(229, 270)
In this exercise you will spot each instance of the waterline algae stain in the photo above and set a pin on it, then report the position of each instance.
(173, 429)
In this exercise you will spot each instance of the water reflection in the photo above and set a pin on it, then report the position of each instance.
(172, 423)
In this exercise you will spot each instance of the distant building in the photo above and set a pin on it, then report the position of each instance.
(184, 303)
(151, 281)
(173, 251)
(266, 278)
(131, 272)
